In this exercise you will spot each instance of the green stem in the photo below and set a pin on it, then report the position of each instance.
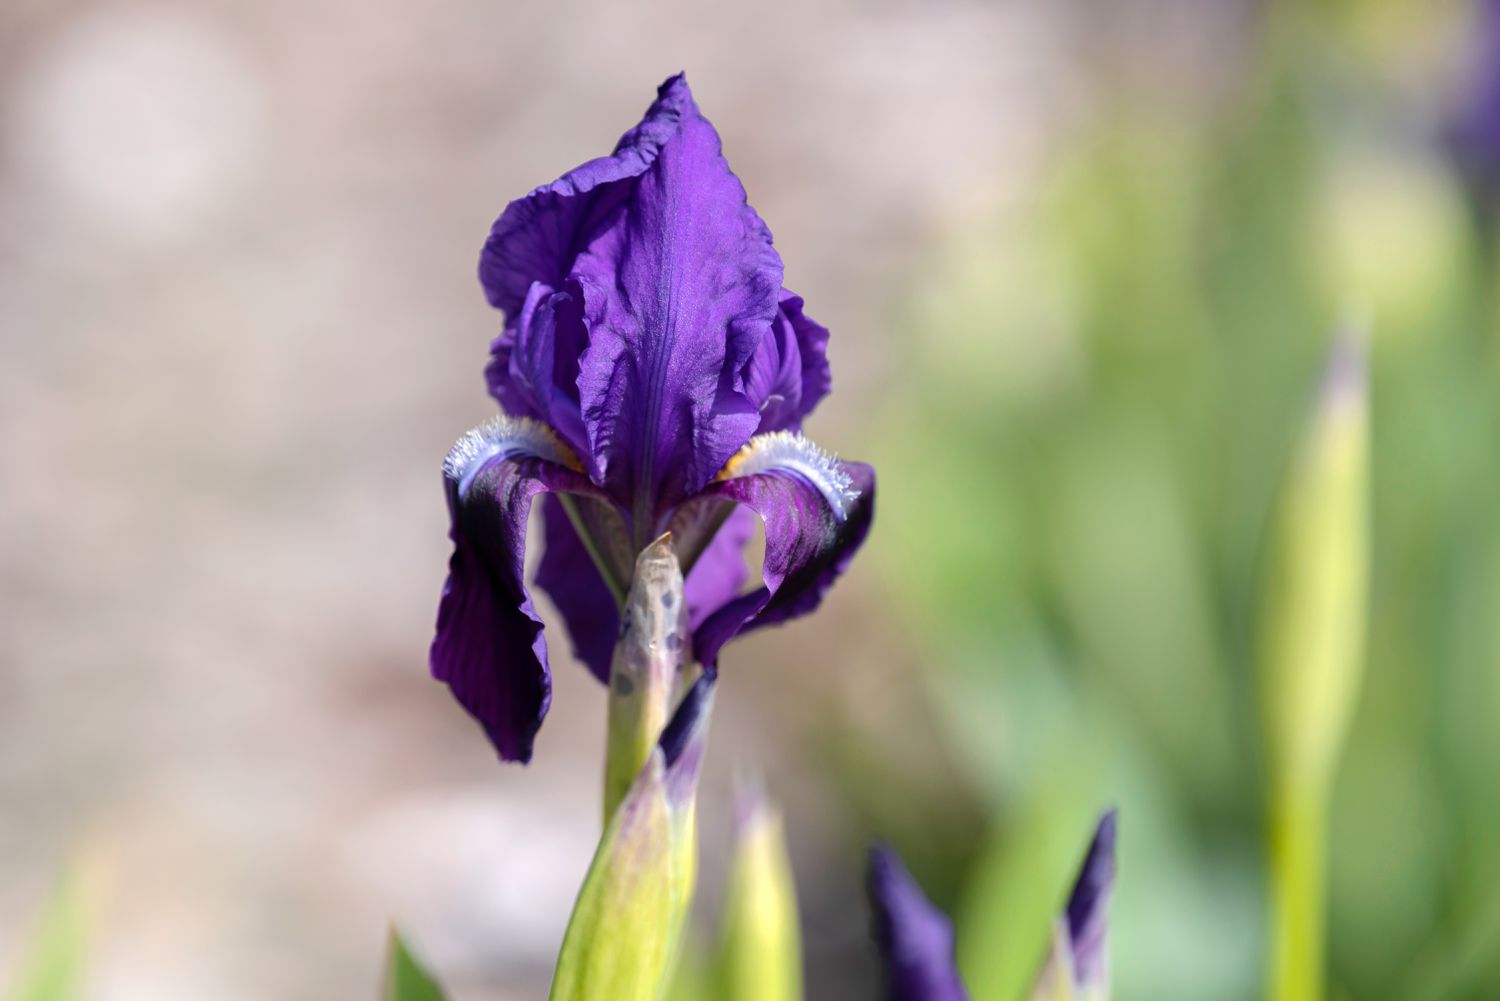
(1298, 831)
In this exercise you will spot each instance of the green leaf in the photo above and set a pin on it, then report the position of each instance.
(405, 978)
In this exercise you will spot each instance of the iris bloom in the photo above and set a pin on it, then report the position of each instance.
(916, 939)
(654, 374)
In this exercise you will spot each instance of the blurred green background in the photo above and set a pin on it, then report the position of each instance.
(1083, 263)
(1077, 481)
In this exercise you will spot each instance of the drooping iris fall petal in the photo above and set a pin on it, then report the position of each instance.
(816, 511)
(719, 574)
(489, 646)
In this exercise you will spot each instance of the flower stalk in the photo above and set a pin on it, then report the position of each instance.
(1311, 659)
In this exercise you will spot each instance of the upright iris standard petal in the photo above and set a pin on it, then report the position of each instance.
(540, 368)
(773, 378)
(679, 289)
(788, 374)
(915, 938)
(816, 511)
(812, 346)
(660, 237)
(489, 646)
(533, 371)
(538, 237)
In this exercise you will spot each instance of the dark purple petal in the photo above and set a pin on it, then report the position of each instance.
(678, 290)
(688, 719)
(816, 511)
(789, 372)
(720, 572)
(533, 368)
(489, 646)
(773, 378)
(685, 737)
(513, 399)
(572, 580)
(915, 938)
(1088, 906)
(537, 237)
(812, 343)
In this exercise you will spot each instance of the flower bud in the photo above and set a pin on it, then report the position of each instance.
(760, 957)
(1312, 658)
(628, 920)
(1312, 627)
(405, 978)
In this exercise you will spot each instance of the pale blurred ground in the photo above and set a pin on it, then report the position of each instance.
(239, 327)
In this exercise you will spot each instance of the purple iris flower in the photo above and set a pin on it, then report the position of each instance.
(916, 939)
(654, 375)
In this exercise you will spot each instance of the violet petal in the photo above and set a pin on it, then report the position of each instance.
(915, 938)
(1088, 906)
(489, 647)
(572, 580)
(678, 290)
(817, 512)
